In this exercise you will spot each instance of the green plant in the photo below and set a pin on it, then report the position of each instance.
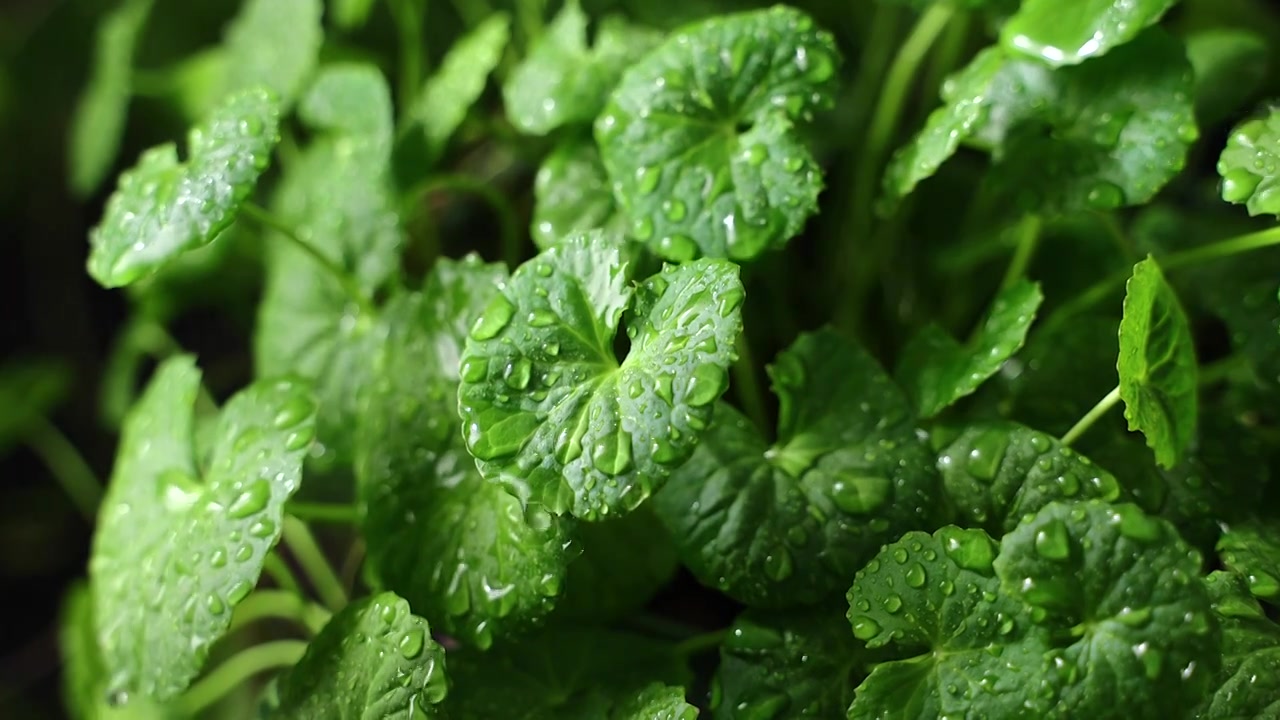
(515, 456)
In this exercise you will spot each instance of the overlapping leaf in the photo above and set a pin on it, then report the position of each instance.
(1248, 686)
(1248, 165)
(571, 194)
(444, 100)
(1067, 35)
(274, 44)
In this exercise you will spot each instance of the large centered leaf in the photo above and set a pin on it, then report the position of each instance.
(274, 43)
(1252, 549)
(996, 473)
(1110, 132)
(1248, 165)
(446, 97)
(1130, 590)
(798, 664)
(459, 549)
(699, 138)
(171, 545)
(98, 124)
(963, 648)
(571, 193)
(1157, 364)
(373, 660)
(789, 524)
(567, 673)
(547, 409)
(1248, 686)
(563, 81)
(163, 207)
(936, 371)
(1066, 35)
(338, 199)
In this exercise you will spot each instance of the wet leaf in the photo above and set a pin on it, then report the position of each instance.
(1067, 35)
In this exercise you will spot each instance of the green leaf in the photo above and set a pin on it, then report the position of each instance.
(459, 549)
(1252, 549)
(562, 81)
(163, 207)
(789, 524)
(999, 472)
(571, 194)
(936, 371)
(83, 676)
(625, 561)
(1230, 67)
(1058, 35)
(374, 659)
(30, 389)
(1248, 686)
(337, 197)
(699, 137)
(98, 124)
(274, 43)
(350, 14)
(1131, 592)
(962, 648)
(803, 663)
(1248, 165)
(170, 544)
(1157, 364)
(444, 100)
(567, 673)
(547, 409)
(656, 702)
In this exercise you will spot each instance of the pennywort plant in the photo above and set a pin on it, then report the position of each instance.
(525, 464)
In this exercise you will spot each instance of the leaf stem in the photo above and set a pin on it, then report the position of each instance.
(884, 122)
(507, 225)
(1220, 370)
(1103, 406)
(67, 466)
(408, 18)
(240, 667)
(746, 386)
(700, 643)
(1028, 240)
(341, 276)
(333, 513)
(309, 556)
(278, 569)
(281, 604)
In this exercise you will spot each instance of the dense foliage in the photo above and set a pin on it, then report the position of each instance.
(514, 319)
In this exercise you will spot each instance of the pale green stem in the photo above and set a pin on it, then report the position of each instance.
(746, 385)
(341, 276)
(237, 669)
(408, 16)
(1028, 239)
(333, 513)
(699, 643)
(1104, 405)
(282, 605)
(310, 557)
(277, 569)
(67, 466)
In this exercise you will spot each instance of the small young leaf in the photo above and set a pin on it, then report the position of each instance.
(446, 97)
(566, 672)
(562, 81)
(1131, 591)
(374, 659)
(171, 545)
(276, 44)
(571, 194)
(338, 199)
(550, 413)
(625, 561)
(965, 649)
(162, 207)
(459, 549)
(1067, 35)
(787, 525)
(1248, 165)
(98, 124)
(1248, 686)
(1252, 549)
(656, 702)
(1230, 66)
(804, 660)
(699, 137)
(1157, 365)
(350, 14)
(30, 389)
(999, 472)
(936, 371)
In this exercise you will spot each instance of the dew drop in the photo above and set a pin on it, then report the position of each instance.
(1052, 541)
(778, 565)
(892, 602)
(496, 316)
(706, 383)
(915, 575)
(860, 494)
(251, 501)
(864, 628)
(412, 644)
(294, 410)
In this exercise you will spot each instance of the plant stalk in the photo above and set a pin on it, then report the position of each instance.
(67, 466)
(1104, 405)
(237, 669)
(309, 556)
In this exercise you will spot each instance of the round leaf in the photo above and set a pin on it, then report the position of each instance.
(1069, 34)
(550, 413)
(699, 137)
(571, 194)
